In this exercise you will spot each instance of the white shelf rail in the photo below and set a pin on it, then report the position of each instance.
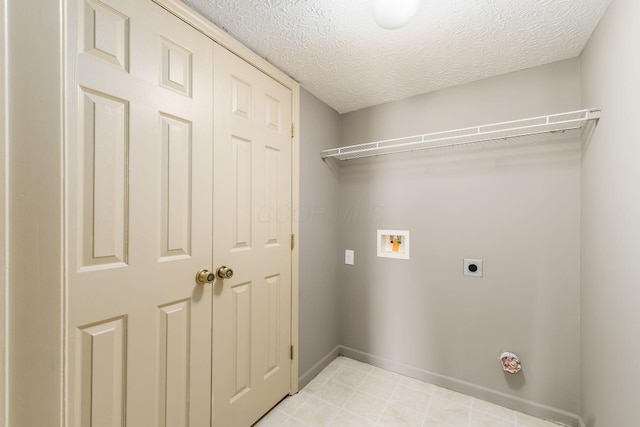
(553, 126)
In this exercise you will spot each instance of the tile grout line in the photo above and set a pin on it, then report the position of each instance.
(355, 390)
(388, 401)
(375, 423)
(426, 413)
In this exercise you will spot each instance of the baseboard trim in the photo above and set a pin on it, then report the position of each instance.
(477, 391)
(311, 373)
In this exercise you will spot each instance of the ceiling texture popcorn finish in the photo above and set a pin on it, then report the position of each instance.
(336, 51)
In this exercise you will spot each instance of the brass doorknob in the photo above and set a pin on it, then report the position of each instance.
(204, 276)
(224, 272)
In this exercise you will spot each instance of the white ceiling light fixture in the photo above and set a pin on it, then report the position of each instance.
(393, 14)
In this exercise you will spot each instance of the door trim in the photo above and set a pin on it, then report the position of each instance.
(4, 138)
(295, 224)
(207, 28)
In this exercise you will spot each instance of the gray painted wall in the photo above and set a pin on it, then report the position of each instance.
(319, 129)
(610, 215)
(515, 207)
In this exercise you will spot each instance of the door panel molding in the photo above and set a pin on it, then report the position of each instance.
(175, 333)
(104, 179)
(103, 349)
(176, 211)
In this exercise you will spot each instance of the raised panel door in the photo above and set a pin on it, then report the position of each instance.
(139, 218)
(252, 229)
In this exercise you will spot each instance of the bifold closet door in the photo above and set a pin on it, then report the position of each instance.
(252, 235)
(139, 217)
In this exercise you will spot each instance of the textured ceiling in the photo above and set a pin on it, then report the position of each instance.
(337, 52)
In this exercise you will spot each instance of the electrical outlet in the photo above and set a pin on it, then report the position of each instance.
(472, 267)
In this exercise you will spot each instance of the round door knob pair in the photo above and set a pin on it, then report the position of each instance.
(205, 276)
(224, 272)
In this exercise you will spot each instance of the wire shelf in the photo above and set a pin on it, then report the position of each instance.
(554, 126)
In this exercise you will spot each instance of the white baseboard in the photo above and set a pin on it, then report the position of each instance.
(474, 390)
(311, 373)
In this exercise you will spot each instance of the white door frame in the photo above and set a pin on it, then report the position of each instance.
(205, 26)
(32, 199)
(4, 48)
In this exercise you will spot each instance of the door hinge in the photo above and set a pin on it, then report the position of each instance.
(293, 241)
(293, 130)
(291, 352)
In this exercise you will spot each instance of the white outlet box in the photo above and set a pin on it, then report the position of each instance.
(349, 257)
(472, 267)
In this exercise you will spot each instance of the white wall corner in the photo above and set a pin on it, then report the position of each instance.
(312, 372)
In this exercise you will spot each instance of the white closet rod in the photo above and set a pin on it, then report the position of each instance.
(561, 125)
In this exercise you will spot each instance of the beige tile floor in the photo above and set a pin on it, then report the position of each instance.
(348, 393)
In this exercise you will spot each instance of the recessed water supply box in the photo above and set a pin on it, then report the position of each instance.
(393, 244)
